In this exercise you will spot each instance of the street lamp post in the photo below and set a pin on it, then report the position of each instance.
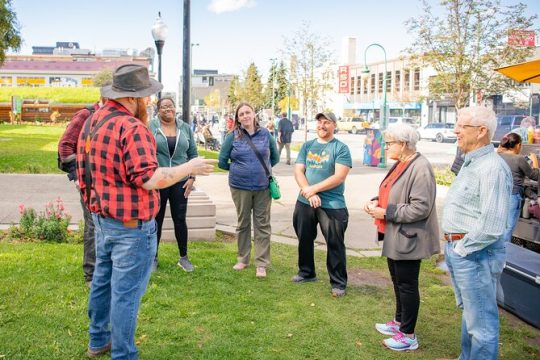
(159, 33)
(384, 118)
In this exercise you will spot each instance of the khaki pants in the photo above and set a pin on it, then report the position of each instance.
(260, 203)
(287, 147)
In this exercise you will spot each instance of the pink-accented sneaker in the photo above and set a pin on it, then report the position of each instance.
(390, 328)
(240, 266)
(400, 342)
(260, 272)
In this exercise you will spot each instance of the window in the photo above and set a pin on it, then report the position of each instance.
(417, 79)
(358, 84)
(366, 80)
(30, 81)
(397, 80)
(351, 89)
(388, 81)
(87, 82)
(6, 81)
(210, 81)
(407, 80)
(372, 83)
(380, 81)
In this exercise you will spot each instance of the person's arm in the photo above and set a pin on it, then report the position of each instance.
(526, 169)
(192, 149)
(274, 154)
(421, 198)
(225, 152)
(331, 182)
(164, 177)
(495, 191)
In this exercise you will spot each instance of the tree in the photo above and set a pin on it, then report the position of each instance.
(466, 44)
(277, 86)
(9, 28)
(252, 90)
(233, 97)
(310, 57)
(285, 103)
(103, 77)
(213, 100)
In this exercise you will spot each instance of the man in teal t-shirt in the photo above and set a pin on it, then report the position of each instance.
(321, 169)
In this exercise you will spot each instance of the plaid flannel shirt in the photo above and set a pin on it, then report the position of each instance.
(122, 158)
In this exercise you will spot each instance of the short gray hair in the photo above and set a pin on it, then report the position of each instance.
(481, 115)
(403, 133)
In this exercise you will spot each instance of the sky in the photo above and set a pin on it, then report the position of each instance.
(231, 33)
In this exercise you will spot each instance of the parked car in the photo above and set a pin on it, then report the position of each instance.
(353, 125)
(438, 132)
(394, 120)
(505, 124)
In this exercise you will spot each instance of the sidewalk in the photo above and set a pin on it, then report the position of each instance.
(362, 184)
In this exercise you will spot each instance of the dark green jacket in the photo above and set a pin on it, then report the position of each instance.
(185, 149)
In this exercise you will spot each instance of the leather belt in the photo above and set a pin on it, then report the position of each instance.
(453, 236)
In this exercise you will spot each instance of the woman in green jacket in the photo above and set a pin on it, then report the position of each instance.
(175, 145)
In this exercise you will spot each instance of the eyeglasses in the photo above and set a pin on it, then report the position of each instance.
(387, 144)
(166, 107)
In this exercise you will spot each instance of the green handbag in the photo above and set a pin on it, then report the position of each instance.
(273, 186)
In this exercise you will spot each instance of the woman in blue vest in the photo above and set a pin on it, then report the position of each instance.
(175, 145)
(248, 181)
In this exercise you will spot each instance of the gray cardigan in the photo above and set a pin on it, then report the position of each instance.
(412, 230)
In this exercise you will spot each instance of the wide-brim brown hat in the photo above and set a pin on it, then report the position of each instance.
(131, 80)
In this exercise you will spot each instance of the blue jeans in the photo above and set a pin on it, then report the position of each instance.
(123, 260)
(475, 278)
(513, 215)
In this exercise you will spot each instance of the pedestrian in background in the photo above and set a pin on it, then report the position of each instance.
(223, 128)
(175, 145)
(247, 150)
(67, 152)
(406, 220)
(510, 149)
(474, 219)
(321, 169)
(285, 131)
(118, 171)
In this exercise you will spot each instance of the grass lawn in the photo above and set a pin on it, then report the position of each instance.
(218, 313)
(33, 149)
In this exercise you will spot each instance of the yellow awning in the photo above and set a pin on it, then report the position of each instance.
(525, 72)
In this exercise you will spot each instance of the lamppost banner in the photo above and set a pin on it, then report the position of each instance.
(343, 78)
(521, 38)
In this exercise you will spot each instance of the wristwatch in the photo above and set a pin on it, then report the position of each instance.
(192, 177)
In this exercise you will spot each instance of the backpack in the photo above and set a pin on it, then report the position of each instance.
(69, 164)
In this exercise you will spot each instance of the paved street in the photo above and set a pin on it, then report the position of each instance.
(362, 184)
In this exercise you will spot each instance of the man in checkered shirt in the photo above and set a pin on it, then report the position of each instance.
(118, 174)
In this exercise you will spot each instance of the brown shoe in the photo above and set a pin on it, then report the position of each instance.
(261, 272)
(92, 353)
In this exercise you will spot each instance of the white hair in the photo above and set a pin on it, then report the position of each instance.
(481, 115)
(403, 133)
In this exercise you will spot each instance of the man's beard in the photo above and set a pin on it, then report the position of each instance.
(141, 112)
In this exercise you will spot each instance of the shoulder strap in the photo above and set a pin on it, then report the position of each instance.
(259, 156)
(88, 136)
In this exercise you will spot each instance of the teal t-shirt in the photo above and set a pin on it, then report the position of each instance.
(320, 161)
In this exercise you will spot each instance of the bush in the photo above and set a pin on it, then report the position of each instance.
(444, 176)
(51, 225)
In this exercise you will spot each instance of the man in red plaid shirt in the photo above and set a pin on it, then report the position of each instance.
(118, 174)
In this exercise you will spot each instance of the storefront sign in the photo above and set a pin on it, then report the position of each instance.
(521, 38)
(344, 80)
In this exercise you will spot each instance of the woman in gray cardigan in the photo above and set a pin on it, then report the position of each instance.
(406, 220)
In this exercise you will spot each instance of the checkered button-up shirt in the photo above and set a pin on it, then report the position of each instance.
(478, 201)
(122, 158)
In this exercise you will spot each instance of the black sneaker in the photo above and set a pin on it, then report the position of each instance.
(301, 279)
